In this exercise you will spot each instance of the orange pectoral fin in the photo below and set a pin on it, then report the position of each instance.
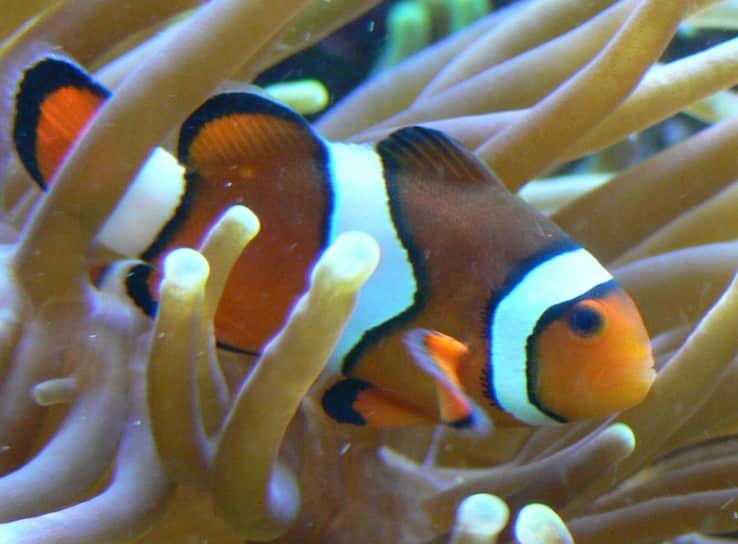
(56, 99)
(441, 356)
(358, 402)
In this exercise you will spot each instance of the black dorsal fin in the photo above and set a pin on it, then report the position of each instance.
(230, 126)
(433, 155)
(55, 100)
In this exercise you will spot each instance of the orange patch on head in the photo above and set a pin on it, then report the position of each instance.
(590, 368)
(64, 115)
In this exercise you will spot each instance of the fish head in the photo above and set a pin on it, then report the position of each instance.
(593, 357)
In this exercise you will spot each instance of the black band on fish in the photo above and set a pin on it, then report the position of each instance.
(137, 287)
(164, 237)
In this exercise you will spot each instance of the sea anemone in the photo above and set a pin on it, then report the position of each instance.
(117, 428)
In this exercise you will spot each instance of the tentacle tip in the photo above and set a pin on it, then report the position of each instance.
(348, 263)
(242, 221)
(306, 96)
(539, 524)
(480, 517)
(185, 270)
(622, 433)
(55, 391)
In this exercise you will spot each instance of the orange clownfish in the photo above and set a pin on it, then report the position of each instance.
(481, 306)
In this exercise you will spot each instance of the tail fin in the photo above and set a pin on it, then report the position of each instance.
(54, 102)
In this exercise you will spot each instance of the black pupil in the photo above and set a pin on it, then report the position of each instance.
(585, 321)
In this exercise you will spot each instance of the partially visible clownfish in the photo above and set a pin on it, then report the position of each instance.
(480, 306)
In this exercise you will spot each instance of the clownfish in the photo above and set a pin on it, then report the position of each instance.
(480, 307)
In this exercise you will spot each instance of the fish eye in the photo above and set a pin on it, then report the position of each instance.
(586, 320)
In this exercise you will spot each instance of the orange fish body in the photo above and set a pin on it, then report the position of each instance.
(481, 307)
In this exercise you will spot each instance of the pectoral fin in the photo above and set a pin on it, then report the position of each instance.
(441, 356)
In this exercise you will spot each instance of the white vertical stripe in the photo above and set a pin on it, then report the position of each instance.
(361, 203)
(561, 278)
(147, 205)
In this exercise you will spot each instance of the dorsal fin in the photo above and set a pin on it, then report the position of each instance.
(55, 101)
(241, 148)
(433, 155)
(230, 127)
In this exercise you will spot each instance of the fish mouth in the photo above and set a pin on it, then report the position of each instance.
(647, 366)
(637, 381)
(624, 390)
(646, 377)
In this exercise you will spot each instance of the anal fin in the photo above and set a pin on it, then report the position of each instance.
(358, 402)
